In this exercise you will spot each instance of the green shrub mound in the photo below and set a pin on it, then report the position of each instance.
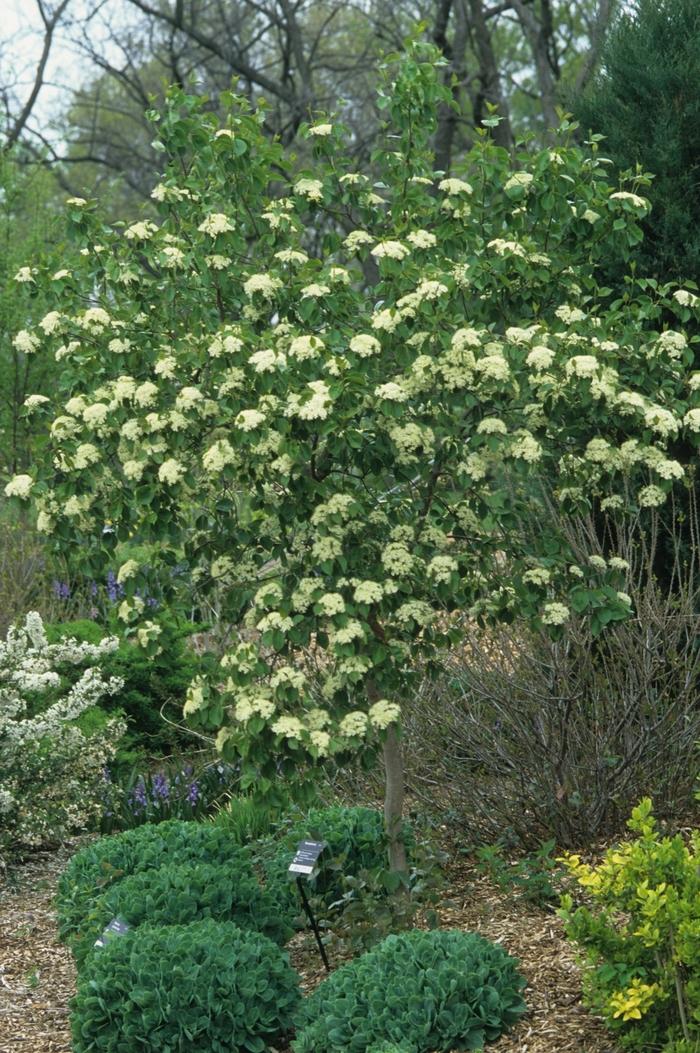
(390, 1047)
(148, 847)
(208, 987)
(356, 841)
(421, 991)
(178, 895)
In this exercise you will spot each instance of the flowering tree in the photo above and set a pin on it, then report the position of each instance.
(50, 771)
(345, 407)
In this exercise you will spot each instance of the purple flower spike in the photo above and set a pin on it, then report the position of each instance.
(138, 795)
(161, 789)
(114, 590)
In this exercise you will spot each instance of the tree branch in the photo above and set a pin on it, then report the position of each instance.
(50, 23)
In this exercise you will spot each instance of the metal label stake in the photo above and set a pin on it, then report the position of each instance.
(304, 866)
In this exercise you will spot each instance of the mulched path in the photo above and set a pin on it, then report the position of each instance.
(37, 976)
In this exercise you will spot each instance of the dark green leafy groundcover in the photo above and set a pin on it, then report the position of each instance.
(178, 895)
(150, 683)
(356, 841)
(110, 859)
(421, 991)
(208, 987)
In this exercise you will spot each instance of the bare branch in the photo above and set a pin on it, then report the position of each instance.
(50, 23)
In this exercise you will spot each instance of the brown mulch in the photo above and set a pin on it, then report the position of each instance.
(37, 976)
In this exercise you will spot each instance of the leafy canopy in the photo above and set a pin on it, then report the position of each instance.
(341, 410)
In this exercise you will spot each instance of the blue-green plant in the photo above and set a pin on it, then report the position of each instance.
(208, 987)
(94, 868)
(178, 895)
(423, 991)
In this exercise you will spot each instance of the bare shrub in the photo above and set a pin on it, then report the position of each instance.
(540, 738)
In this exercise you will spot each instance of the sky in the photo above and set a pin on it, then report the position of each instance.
(21, 40)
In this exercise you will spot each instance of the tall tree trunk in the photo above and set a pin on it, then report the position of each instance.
(597, 29)
(540, 37)
(489, 76)
(393, 799)
(455, 52)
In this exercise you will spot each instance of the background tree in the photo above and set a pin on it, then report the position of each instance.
(303, 57)
(18, 101)
(645, 101)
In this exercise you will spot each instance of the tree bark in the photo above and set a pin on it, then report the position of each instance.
(489, 76)
(393, 799)
(455, 52)
(598, 28)
(539, 35)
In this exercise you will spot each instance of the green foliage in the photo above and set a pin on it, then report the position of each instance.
(645, 102)
(245, 819)
(83, 629)
(207, 987)
(532, 878)
(94, 868)
(352, 889)
(356, 842)
(423, 991)
(178, 895)
(151, 684)
(26, 573)
(29, 227)
(367, 910)
(640, 936)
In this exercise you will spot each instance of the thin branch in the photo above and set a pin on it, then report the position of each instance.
(50, 23)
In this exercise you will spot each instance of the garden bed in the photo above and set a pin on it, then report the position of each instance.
(37, 977)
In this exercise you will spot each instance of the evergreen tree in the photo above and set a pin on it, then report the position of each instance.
(645, 101)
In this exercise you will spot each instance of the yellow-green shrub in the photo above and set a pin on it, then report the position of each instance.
(640, 936)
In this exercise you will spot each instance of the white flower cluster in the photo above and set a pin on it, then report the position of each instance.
(47, 793)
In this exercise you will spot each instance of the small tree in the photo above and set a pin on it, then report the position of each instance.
(344, 447)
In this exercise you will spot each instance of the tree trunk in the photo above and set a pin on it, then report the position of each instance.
(539, 35)
(489, 77)
(393, 799)
(597, 31)
(455, 53)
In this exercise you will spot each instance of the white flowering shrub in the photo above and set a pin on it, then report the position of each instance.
(336, 401)
(50, 770)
